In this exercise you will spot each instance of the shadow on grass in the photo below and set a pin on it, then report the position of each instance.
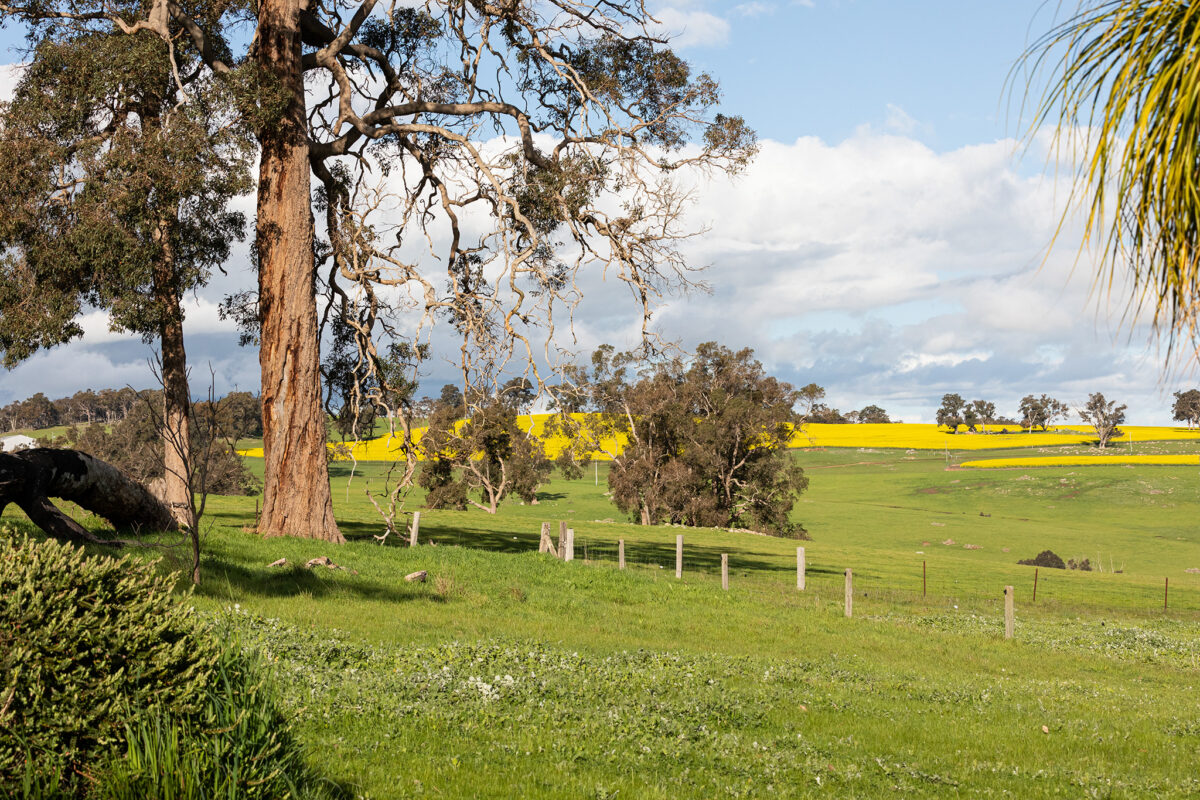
(695, 556)
(222, 578)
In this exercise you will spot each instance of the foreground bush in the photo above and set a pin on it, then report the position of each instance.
(83, 642)
(110, 687)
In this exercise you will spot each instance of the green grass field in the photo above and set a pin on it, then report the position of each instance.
(510, 674)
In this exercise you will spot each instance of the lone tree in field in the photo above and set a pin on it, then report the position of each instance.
(1104, 416)
(985, 412)
(1187, 407)
(1041, 411)
(115, 195)
(706, 439)
(951, 413)
(554, 129)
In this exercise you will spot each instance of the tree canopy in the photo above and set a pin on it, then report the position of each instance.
(472, 158)
(707, 438)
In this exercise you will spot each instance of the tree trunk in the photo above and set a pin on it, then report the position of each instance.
(296, 495)
(176, 432)
(30, 477)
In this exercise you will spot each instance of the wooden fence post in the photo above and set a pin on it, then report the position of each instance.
(725, 571)
(849, 593)
(416, 528)
(562, 538)
(924, 584)
(800, 568)
(569, 551)
(1035, 577)
(621, 552)
(1166, 585)
(1008, 612)
(679, 555)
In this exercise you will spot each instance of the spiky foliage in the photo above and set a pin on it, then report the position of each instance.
(1123, 95)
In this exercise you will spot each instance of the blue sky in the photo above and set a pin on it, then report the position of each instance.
(888, 244)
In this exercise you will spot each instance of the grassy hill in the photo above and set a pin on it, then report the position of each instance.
(511, 674)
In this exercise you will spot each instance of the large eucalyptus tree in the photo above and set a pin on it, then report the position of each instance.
(115, 194)
(511, 144)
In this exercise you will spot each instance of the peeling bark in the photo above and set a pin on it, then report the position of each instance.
(296, 497)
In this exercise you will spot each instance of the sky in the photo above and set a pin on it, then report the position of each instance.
(890, 242)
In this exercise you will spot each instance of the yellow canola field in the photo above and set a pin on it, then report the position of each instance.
(915, 436)
(387, 448)
(906, 436)
(1083, 461)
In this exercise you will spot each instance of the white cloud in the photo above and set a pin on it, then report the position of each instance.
(900, 121)
(691, 27)
(886, 271)
(10, 74)
(754, 9)
(891, 273)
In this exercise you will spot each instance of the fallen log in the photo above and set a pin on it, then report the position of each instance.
(29, 478)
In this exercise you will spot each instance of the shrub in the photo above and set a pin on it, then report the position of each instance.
(82, 642)
(1083, 565)
(105, 674)
(1046, 558)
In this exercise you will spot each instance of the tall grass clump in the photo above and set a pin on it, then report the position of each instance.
(239, 747)
(110, 686)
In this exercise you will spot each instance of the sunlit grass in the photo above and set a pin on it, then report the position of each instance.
(510, 674)
(1083, 461)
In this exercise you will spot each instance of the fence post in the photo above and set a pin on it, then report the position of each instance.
(849, 593)
(546, 545)
(416, 527)
(725, 571)
(679, 555)
(1035, 577)
(1008, 612)
(562, 538)
(621, 552)
(569, 552)
(800, 568)
(924, 584)
(1166, 585)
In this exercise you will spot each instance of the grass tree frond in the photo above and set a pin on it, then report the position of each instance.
(1123, 98)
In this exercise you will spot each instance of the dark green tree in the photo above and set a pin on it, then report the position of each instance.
(873, 415)
(116, 193)
(1187, 407)
(985, 412)
(707, 439)
(952, 412)
(483, 459)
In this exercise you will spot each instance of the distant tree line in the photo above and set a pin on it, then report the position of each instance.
(109, 406)
(85, 407)
(811, 409)
(1035, 412)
